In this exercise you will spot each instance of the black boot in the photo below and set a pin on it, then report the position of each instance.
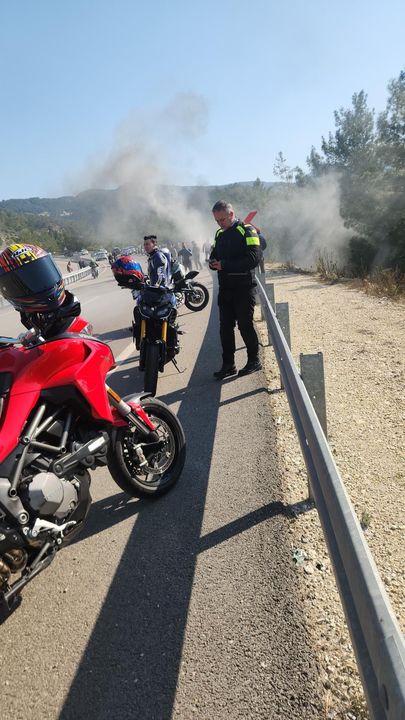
(225, 371)
(250, 367)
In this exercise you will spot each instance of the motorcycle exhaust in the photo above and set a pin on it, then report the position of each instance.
(9, 599)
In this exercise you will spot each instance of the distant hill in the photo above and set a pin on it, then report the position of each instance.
(89, 207)
(86, 207)
(95, 218)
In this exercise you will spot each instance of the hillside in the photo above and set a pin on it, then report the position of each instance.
(115, 217)
(90, 206)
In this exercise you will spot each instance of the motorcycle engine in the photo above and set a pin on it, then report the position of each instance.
(50, 495)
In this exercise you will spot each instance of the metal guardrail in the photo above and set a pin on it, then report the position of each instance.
(77, 275)
(375, 633)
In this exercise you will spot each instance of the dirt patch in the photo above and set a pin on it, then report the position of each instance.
(363, 343)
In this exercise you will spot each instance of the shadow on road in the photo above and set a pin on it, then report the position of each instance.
(110, 511)
(131, 664)
(115, 335)
(133, 660)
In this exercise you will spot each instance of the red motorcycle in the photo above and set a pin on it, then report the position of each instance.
(58, 420)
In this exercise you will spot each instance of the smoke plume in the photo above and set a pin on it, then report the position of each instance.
(304, 221)
(142, 169)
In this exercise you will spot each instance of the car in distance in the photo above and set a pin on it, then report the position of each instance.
(100, 255)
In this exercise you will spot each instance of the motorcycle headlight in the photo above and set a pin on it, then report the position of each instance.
(162, 312)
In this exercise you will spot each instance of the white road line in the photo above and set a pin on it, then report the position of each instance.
(123, 356)
(125, 353)
(93, 299)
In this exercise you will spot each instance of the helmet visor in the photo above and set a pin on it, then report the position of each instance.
(30, 279)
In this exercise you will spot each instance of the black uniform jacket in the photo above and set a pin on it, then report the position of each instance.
(238, 249)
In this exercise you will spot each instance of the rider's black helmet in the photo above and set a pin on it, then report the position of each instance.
(30, 280)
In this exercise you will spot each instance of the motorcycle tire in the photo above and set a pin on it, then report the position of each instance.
(197, 304)
(167, 463)
(152, 360)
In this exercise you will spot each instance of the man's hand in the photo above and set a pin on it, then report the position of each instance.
(215, 265)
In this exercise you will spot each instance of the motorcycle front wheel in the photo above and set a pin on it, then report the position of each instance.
(152, 360)
(161, 466)
(196, 299)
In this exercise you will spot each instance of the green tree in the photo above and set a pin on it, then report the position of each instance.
(354, 137)
(391, 154)
(351, 153)
(282, 170)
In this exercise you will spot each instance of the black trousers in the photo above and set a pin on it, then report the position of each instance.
(237, 306)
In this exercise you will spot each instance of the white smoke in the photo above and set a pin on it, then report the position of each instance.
(142, 167)
(307, 220)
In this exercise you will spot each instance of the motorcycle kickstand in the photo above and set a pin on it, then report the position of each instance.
(7, 608)
(177, 367)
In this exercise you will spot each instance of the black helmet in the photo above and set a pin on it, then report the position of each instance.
(55, 322)
(30, 280)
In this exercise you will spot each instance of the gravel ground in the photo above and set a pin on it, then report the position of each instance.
(363, 342)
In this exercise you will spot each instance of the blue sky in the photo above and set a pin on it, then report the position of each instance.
(216, 88)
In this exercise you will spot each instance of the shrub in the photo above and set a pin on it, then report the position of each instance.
(327, 266)
(361, 256)
(385, 282)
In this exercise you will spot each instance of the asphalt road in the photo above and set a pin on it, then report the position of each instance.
(187, 606)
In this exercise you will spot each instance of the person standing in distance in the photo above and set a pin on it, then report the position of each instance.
(207, 251)
(185, 256)
(159, 270)
(235, 255)
(196, 255)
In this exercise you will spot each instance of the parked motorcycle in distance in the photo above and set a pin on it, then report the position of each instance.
(194, 295)
(155, 332)
(59, 420)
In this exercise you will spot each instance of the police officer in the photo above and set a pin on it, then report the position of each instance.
(235, 255)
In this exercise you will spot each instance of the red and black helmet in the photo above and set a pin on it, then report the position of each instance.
(30, 280)
(127, 271)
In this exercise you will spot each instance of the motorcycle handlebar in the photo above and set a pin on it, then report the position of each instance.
(23, 339)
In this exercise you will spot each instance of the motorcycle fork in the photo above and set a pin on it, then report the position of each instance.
(142, 341)
(163, 346)
(126, 412)
(162, 343)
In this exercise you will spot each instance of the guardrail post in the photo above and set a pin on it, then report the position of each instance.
(269, 288)
(283, 318)
(313, 377)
